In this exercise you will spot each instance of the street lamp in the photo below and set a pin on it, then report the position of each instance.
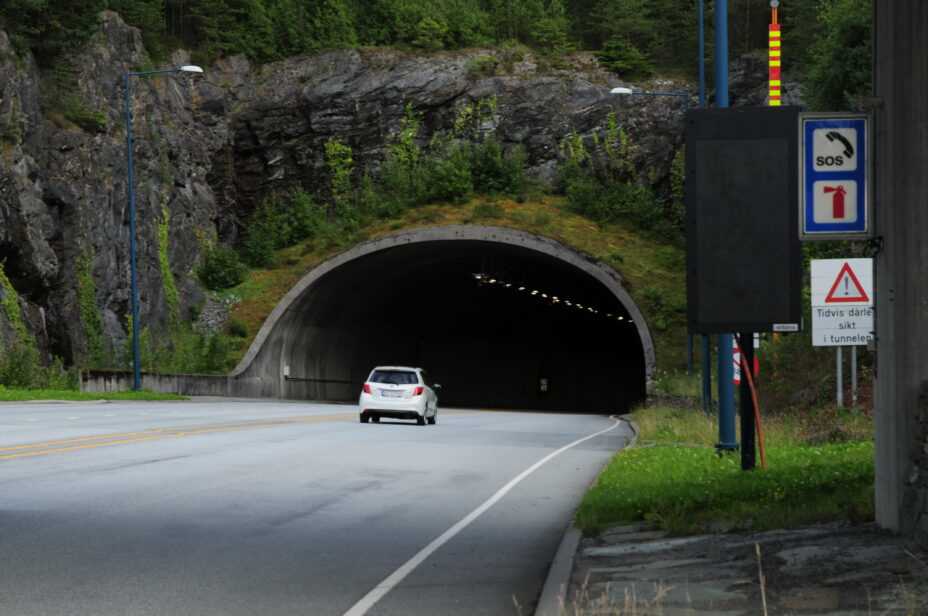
(136, 354)
(621, 90)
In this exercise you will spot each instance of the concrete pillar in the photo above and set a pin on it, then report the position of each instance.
(901, 158)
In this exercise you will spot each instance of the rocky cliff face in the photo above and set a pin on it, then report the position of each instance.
(208, 148)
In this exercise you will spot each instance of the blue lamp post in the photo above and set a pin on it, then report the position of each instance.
(136, 354)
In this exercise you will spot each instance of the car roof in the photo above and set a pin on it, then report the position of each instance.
(398, 368)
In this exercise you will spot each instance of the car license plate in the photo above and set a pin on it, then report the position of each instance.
(387, 393)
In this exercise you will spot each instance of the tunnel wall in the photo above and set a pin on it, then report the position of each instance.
(261, 371)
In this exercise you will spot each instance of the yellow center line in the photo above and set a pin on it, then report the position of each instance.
(44, 448)
(48, 452)
(68, 441)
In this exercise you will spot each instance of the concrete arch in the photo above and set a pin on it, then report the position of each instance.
(261, 370)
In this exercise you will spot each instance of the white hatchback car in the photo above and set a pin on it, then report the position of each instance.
(400, 393)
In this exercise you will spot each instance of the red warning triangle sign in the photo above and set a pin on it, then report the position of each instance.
(846, 288)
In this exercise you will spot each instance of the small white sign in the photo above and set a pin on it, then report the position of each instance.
(842, 326)
(846, 282)
(834, 201)
(834, 149)
(842, 302)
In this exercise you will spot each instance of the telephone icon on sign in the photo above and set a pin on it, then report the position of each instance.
(848, 148)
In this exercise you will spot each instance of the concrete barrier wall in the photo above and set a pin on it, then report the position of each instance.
(185, 384)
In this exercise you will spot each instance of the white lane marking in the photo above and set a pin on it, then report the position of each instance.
(110, 415)
(394, 579)
(73, 418)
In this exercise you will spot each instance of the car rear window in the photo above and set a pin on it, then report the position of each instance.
(395, 377)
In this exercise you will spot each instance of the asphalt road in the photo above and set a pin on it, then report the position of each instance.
(232, 507)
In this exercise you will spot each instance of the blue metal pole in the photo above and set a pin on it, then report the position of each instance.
(726, 371)
(136, 354)
(702, 53)
(726, 375)
(721, 53)
(706, 375)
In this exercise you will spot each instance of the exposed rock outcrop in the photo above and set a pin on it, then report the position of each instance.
(207, 149)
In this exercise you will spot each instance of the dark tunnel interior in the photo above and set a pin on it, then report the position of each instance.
(497, 325)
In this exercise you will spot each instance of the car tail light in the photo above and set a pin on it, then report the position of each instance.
(418, 390)
(367, 388)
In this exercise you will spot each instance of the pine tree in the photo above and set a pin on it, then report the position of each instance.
(147, 16)
(50, 27)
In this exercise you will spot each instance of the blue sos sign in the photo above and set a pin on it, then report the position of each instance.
(835, 169)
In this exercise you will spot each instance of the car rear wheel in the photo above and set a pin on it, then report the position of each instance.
(433, 419)
(420, 420)
(376, 418)
(364, 418)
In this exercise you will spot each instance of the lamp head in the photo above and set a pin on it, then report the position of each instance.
(189, 68)
(621, 90)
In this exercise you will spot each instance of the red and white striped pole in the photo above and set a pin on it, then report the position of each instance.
(774, 55)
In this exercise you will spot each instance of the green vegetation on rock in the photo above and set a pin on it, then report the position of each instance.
(20, 362)
(171, 296)
(11, 309)
(89, 311)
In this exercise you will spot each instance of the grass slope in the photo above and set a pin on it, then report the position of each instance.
(653, 272)
(675, 479)
(25, 395)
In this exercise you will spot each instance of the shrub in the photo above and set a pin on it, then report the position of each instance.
(622, 57)
(481, 66)
(430, 34)
(448, 175)
(279, 222)
(221, 268)
(237, 329)
(495, 171)
(19, 366)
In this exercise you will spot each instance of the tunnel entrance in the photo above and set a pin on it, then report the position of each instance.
(500, 318)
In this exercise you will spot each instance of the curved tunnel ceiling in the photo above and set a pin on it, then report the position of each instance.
(500, 317)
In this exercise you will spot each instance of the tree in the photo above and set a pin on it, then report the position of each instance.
(226, 27)
(50, 27)
(839, 67)
(147, 16)
(550, 32)
(622, 57)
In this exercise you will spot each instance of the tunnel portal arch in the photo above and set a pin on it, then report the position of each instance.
(274, 366)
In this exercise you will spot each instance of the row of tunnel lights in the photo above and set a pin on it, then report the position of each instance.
(554, 299)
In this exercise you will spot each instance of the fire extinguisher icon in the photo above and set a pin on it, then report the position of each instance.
(837, 200)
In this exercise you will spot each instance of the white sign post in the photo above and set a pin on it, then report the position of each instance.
(842, 302)
(842, 308)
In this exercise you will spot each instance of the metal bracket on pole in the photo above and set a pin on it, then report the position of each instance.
(840, 376)
(706, 375)
(854, 376)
